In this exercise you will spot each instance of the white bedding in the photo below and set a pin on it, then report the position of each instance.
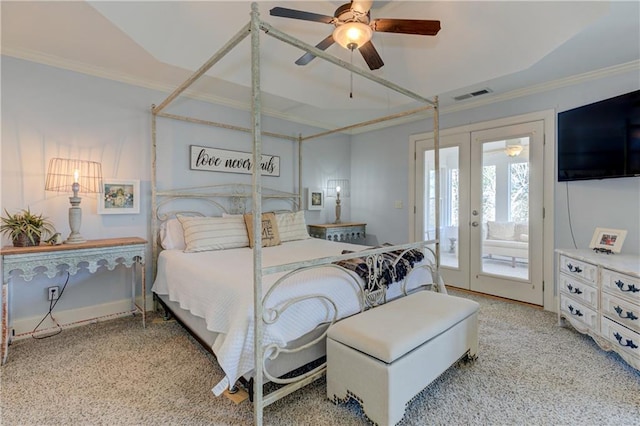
(218, 286)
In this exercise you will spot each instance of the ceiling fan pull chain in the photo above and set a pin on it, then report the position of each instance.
(351, 78)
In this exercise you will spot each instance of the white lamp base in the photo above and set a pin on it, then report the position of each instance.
(338, 209)
(75, 219)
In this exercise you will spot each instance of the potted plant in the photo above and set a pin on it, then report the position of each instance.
(25, 228)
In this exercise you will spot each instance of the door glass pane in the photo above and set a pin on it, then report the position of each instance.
(505, 208)
(449, 202)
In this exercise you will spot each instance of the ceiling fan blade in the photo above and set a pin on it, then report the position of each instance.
(370, 55)
(299, 14)
(406, 26)
(307, 57)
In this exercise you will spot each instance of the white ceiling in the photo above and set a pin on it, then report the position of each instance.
(507, 46)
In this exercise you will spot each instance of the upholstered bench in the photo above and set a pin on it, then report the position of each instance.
(383, 357)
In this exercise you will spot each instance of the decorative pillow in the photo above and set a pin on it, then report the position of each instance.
(213, 233)
(172, 235)
(292, 226)
(501, 230)
(270, 235)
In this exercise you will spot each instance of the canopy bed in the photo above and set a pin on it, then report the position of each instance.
(273, 314)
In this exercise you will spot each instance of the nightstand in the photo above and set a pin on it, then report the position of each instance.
(27, 262)
(347, 232)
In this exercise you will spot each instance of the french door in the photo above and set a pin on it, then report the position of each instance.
(491, 215)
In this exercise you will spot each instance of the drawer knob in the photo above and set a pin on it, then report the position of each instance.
(574, 290)
(629, 315)
(575, 269)
(577, 311)
(629, 341)
(631, 287)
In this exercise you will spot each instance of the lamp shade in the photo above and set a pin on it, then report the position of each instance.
(64, 172)
(352, 35)
(334, 184)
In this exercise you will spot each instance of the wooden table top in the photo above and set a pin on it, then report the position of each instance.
(89, 244)
(338, 225)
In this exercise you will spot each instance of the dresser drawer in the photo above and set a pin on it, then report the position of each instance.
(579, 290)
(621, 285)
(621, 311)
(578, 269)
(621, 337)
(579, 312)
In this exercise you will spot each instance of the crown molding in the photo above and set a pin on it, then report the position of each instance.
(519, 93)
(100, 72)
(94, 71)
(547, 86)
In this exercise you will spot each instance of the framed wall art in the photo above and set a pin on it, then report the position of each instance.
(119, 196)
(315, 199)
(605, 239)
(224, 160)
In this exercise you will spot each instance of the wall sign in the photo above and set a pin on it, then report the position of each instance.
(222, 160)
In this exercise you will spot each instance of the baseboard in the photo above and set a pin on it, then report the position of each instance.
(491, 296)
(23, 328)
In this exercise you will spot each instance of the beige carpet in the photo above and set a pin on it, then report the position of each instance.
(529, 371)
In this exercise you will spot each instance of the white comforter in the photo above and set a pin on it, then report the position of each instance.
(218, 286)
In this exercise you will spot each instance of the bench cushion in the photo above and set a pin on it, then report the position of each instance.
(389, 331)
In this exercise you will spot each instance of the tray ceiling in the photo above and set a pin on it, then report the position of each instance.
(500, 45)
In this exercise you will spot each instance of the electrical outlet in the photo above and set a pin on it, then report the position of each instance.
(53, 294)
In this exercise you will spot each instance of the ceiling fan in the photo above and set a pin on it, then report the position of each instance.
(354, 29)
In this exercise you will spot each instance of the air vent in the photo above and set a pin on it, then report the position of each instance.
(472, 94)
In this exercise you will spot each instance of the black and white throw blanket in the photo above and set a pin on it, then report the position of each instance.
(395, 265)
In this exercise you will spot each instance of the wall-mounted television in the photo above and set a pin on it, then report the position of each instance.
(600, 140)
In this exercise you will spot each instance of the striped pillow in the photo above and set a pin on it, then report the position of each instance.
(292, 226)
(213, 233)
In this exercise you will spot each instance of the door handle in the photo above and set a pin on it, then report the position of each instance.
(474, 224)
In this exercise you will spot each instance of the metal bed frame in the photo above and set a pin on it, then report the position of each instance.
(255, 28)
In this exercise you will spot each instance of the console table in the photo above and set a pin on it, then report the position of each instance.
(348, 232)
(27, 262)
(600, 296)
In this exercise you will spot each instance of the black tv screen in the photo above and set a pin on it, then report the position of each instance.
(600, 140)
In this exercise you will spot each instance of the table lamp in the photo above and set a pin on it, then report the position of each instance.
(335, 187)
(65, 175)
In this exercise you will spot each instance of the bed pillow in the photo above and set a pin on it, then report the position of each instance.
(172, 235)
(292, 226)
(213, 233)
(270, 235)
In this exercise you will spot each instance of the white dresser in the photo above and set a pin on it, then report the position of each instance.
(600, 296)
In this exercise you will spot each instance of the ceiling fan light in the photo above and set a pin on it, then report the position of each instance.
(352, 35)
(513, 150)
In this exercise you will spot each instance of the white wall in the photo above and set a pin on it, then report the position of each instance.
(379, 174)
(46, 113)
(49, 112)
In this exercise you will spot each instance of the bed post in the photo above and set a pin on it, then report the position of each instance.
(436, 150)
(300, 207)
(257, 214)
(154, 202)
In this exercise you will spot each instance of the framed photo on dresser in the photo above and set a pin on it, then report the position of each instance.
(606, 239)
